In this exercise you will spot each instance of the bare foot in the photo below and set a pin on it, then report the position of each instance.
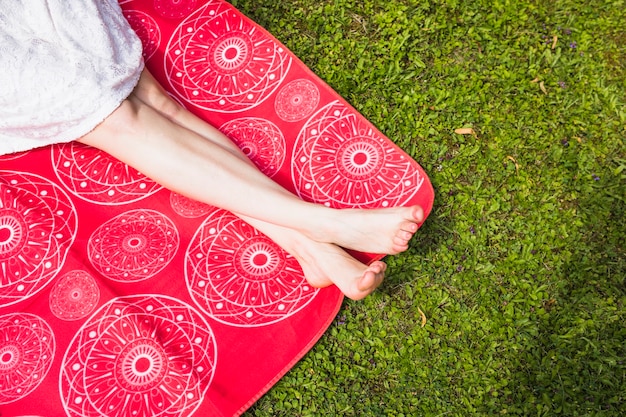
(383, 231)
(325, 264)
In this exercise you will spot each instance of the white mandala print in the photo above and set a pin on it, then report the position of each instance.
(341, 161)
(133, 246)
(97, 177)
(139, 356)
(260, 140)
(27, 348)
(174, 9)
(240, 277)
(147, 31)
(188, 207)
(297, 100)
(74, 296)
(11, 156)
(219, 61)
(38, 224)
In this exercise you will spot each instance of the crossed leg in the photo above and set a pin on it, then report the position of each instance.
(150, 132)
(323, 264)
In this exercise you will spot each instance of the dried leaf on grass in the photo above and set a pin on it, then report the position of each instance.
(509, 157)
(423, 316)
(464, 131)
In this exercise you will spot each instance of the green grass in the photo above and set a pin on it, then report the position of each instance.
(520, 270)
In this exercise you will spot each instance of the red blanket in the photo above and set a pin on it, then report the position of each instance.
(121, 298)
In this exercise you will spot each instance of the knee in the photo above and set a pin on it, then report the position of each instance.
(125, 118)
(112, 134)
(149, 92)
(165, 105)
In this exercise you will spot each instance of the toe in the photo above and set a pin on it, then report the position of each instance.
(405, 235)
(400, 241)
(371, 279)
(408, 227)
(367, 282)
(418, 214)
(400, 245)
(378, 267)
(398, 249)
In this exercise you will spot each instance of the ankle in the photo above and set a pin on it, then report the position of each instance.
(323, 227)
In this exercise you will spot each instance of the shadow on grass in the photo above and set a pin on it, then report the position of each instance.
(578, 364)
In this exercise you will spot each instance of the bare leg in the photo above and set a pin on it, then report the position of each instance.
(216, 172)
(152, 93)
(323, 264)
(124, 137)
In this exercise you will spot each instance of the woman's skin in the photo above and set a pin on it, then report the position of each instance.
(152, 133)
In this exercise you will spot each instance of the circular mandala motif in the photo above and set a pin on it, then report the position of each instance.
(187, 207)
(26, 352)
(220, 61)
(143, 355)
(240, 277)
(147, 30)
(261, 141)
(133, 246)
(297, 100)
(174, 9)
(97, 177)
(37, 227)
(74, 296)
(341, 161)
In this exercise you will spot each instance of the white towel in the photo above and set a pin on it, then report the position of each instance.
(65, 65)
